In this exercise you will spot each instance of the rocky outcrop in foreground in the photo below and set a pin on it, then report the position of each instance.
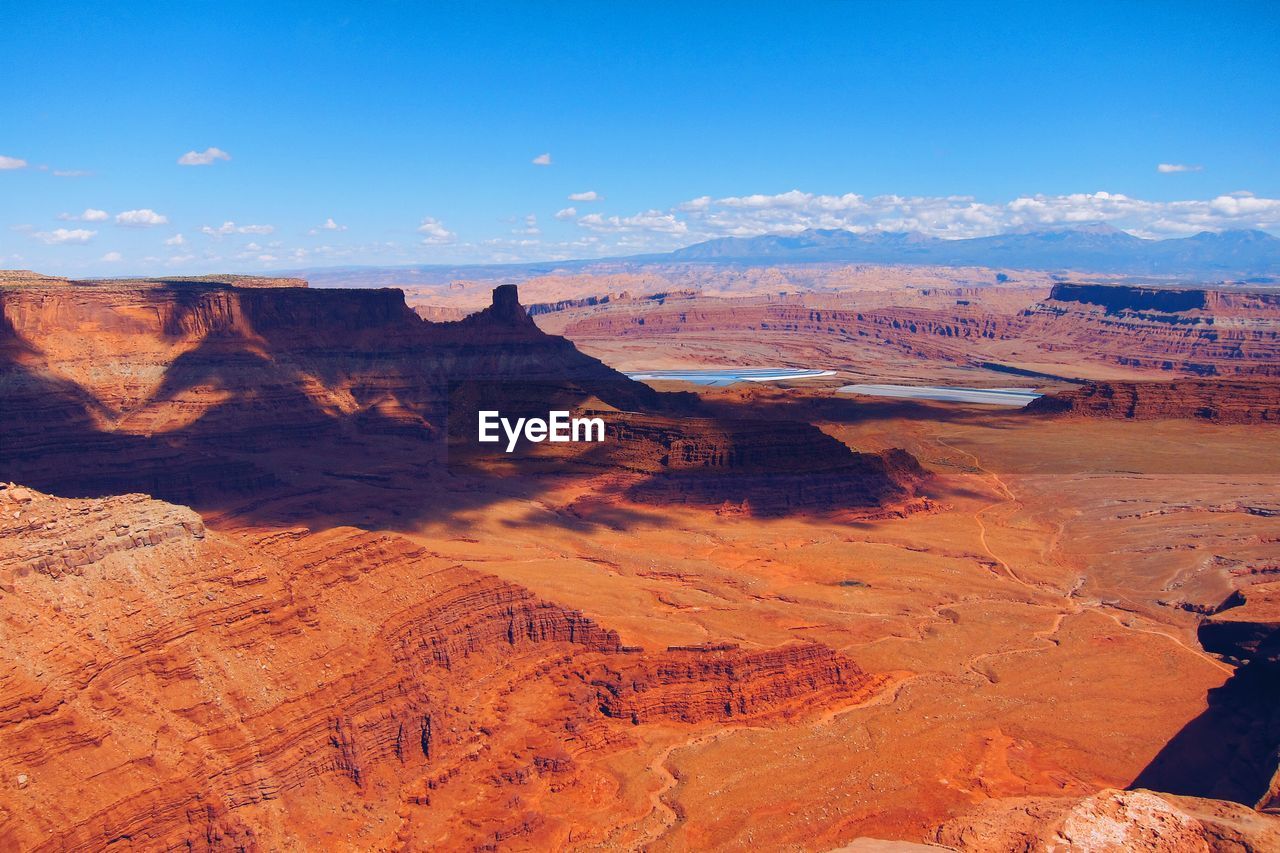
(1218, 401)
(1110, 820)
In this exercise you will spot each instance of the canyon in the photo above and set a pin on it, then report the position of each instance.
(263, 589)
(1093, 331)
(203, 378)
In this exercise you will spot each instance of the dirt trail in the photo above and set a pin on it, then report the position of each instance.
(1073, 605)
(888, 694)
(977, 515)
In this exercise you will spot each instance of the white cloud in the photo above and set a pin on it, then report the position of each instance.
(90, 215)
(1236, 205)
(143, 218)
(16, 163)
(566, 213)
(111, 257)
(589, 195)
(436, 233)
(1167, 168)
(207, 157)
(329, 225)
(176, 240)
(231, 228)
(542, 160)
(59, 236)
(71, 173)
(948, 217)
(651, 220)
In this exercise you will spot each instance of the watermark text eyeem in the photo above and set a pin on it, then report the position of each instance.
(558, 426)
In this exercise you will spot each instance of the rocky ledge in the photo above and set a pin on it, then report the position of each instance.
(1218, 401)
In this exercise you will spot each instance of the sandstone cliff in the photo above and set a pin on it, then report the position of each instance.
(689, 685)
(1144, 329)
(1228, 401)
(199, 389)
(1196, 332)
(682, 452)
(922, 332)
(166, 686)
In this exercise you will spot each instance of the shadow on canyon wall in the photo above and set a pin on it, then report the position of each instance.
(1231, 751)
(248, 424)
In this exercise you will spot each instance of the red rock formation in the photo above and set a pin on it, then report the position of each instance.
(439, 313)
(39, 533)
(1220, 401)
(1130, 821)
(928, 333)
(190, 390)
(1203, 332)
(647, 300)
(760, 467)
(1247, 626)
(1121, 299)
(695, 685)
(105, 385)
(173, 687)
(1190, 332)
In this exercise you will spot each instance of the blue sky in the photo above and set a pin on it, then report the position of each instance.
(412, 129)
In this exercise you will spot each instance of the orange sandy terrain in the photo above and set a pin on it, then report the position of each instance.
(756, 619)
(1039, 625)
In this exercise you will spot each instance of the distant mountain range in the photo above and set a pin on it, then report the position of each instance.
(1252, 256)
(1094, 247)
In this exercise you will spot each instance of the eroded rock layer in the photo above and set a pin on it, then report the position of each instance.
(188, 389)
(1219, 401)
(1141, 329)
(1200, 332)
(694, 684)
(179, 688)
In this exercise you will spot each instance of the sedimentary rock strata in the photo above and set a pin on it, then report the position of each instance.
(1195, 332)
(57, 537)
(179, 687)
(1219, 401)
(1139, 329)
(187, 389)
(694, 684)
(368, 636)
(921, 332)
